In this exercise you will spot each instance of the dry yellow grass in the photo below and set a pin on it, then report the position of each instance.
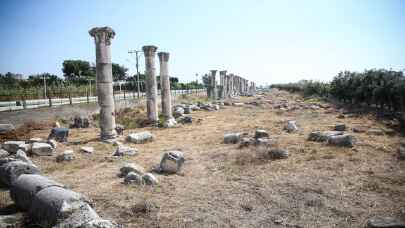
(224, 186)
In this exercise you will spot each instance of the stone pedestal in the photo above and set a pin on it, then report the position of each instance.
(151, 86)
(102, 37)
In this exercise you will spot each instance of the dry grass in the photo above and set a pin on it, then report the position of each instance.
(224, 186)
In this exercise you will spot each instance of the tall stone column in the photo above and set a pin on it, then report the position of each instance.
(165, 85)
(151, 86)
(214, 92)
(222, 74)
(102, 37)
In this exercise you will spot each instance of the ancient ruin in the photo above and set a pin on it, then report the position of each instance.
(102, 37)
(151, 85)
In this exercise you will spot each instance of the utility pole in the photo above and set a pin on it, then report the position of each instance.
(137, 68)
(44, 86)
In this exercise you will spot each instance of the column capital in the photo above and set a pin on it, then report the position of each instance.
(213, 72)
(102, 34)
(149, 50)
(222, 72)
(164, 56)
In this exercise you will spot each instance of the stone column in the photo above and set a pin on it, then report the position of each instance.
(222, 74)
(104, 79)
(213, 85)
(151, 86)
(165, 85)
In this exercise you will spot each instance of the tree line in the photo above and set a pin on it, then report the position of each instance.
(77, 76)
(384, 89)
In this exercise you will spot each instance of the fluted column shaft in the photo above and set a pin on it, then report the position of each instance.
(151, 85)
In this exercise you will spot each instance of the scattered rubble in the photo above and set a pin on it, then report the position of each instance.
(340, 127)
(139, 138)
(341, 140)
(87, 149)
(291, 126)
(42, 149)
(232, 138)
(319, 136)
(67, 155)
(385, 222)
(125, 151)
(259, 133)
(172, 162)
(277, 154)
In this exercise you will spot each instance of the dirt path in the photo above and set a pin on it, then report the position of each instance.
(224, 186)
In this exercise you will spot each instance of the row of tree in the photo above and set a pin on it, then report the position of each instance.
(380, 88)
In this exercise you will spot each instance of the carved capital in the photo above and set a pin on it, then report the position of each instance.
(149, 50)
(102, 34)
(222, 72)
(213, 72)
(163, 56)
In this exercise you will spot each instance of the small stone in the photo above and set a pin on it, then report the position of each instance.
(21, 155)
(133, 178)
(12, 146)
(131, 167)
(119, 128)
(141, 137)
(278, 154)
(187, 110)
(32, 140)
(375, 132)
(319, 136)
(194, 107)
(216, 107)
(227, 103)
(6, 128)
(185, 119)
(261, 134)
(149, 179)
(385, 222)
(238, 104)
(340, 116)
(178, 111)
(25, 147)
(291, 126)
(169, 123)
(100, 223)
(341, 140)
(67, 155)
(245, 142)
(340, 127)
(87, 149)
(53, 143)
(125, 151)
(4, 153)
(59, 134)
(232, 138)
(172, 162)
(42, 149)
(360, 129)
(265, 142)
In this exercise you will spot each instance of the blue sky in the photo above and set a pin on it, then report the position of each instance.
(261, 40)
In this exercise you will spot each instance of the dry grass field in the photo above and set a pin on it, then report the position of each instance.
(222, 185)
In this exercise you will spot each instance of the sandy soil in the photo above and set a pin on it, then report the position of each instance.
(222, 185)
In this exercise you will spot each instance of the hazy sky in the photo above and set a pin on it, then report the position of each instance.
(264, 41)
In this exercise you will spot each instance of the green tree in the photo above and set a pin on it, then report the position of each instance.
(74, 70)
(119, 72)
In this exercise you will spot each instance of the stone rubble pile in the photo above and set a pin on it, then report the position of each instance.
(47, 203)
(135, 174)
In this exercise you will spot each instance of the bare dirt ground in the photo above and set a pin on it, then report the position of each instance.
(224, 186)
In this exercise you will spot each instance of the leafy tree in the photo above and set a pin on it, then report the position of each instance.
(119, 72)
(78, 69)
